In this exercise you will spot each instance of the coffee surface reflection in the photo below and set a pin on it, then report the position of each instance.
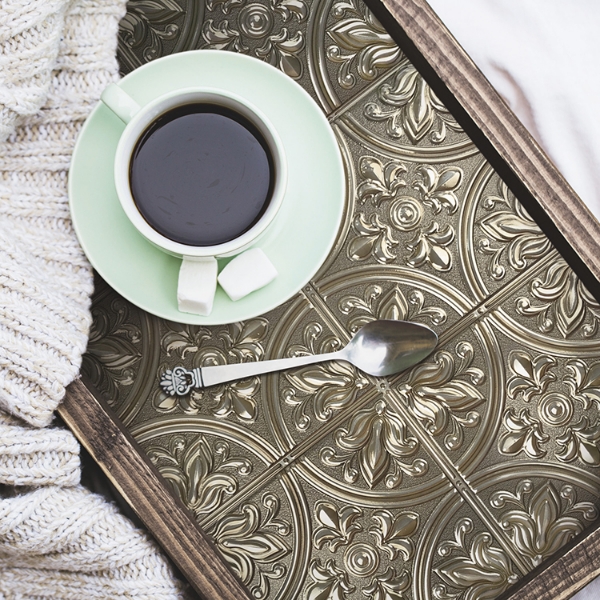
(201, 175)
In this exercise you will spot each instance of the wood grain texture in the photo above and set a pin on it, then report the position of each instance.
(562, 577)
(496, 130)
(113, 448)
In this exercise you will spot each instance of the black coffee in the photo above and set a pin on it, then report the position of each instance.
(201, 175)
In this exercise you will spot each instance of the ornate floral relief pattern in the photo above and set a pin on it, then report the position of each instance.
(443, 394)
(410, 108)
(393, 304)
(375, 239)
(360, 44)
(510, 235)
(389, 586)
(201, 474)
(560, 302)
(113, 350)
(437, 189)
(183, 339)
(252, 541)
(530, 382)
(430, 246)
(328, 582)
(380, 181)
(540, 522)
(393, 532)
(415, 177)
(375, 447)
(581, 441)
(530, 375)
(339, 526)
(473, 570)
(323, 389)
(380, 238)
(239, 342)
(341, 531)
(336, 526)
(225, 5)
(584, 382)
(268, 32)
(524, 434)
(148, 23)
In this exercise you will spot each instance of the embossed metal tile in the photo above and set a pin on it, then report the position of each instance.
(450, 481)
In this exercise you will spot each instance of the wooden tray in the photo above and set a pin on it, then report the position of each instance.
(474, 475)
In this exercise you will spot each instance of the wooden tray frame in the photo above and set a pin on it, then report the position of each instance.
(534, 180)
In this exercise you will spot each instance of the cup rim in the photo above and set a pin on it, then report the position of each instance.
(149, 113)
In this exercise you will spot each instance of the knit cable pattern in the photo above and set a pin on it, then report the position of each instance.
(29, 41)
(69, 543)
(30, 456)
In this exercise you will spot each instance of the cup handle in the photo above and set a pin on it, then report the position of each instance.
(121, 103)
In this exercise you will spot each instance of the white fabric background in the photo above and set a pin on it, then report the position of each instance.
(543, 56)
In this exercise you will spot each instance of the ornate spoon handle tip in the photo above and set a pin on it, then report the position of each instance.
(179, 380)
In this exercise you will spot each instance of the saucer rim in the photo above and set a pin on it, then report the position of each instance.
(236, 311)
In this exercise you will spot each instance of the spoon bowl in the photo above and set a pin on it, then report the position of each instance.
(386, 347)
(379, 348)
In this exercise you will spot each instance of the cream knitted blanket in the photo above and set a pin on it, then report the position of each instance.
(57, 540)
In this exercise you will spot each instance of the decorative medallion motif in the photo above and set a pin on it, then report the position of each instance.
(268, 32)
(361, 560)
(384, 186)
(554, 411)
(363, 554)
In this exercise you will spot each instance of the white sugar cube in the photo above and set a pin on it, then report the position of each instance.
(197, 285)
(247, 272)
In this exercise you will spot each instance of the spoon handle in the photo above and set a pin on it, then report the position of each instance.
(179, 380)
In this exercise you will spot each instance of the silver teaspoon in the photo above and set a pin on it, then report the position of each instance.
(379, 348)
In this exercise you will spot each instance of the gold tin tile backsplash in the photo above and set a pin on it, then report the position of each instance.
(447, 482)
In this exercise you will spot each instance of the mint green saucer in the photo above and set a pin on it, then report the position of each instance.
(297, 242)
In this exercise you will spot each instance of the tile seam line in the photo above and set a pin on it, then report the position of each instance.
(495, 300)
(343, 108)
(314, 298)
(292, 455)
(453, 475)
(289, 458)
(319, 304)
